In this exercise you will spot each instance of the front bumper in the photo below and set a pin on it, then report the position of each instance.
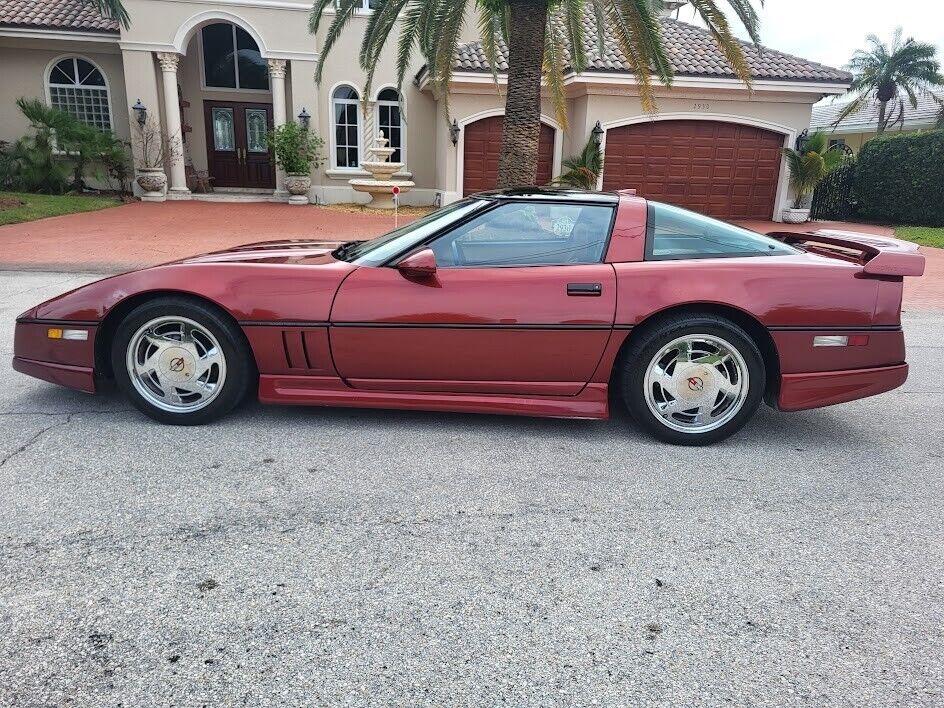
(800, 392)
(60, 361)
(81, 378)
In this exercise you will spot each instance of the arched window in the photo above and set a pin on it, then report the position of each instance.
(231, 58)
(346, 110)
(78, 87)
(390, 122)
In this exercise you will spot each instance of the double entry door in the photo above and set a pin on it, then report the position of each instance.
(237, 151)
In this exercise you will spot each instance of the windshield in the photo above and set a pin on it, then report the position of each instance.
(379, 250)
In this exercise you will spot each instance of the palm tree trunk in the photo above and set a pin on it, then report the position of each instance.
(882, 107)
(518, 161)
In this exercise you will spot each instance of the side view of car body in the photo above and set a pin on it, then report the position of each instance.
(530, 301)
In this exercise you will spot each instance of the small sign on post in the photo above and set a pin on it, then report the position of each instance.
(395, 190)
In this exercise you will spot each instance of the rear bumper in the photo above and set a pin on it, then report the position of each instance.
(814, 390)
(81, 378)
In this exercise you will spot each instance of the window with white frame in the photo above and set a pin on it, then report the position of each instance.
(345, 111)
(78, 87)
(389, 120)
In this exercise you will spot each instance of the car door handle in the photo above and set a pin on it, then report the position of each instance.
(585, 289)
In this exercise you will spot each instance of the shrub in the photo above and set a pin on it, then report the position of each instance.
(584, 169)
(60, 154)
(297, 149)
(900, 179)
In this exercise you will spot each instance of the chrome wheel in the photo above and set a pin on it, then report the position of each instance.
(176, 364)
(696, 383)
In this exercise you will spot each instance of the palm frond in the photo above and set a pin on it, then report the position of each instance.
(344, 13)
(555, 59)
(114, 9)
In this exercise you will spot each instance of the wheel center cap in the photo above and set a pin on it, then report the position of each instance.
(695, 383)
(177, 364)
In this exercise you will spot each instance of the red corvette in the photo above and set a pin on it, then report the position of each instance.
(534, 302)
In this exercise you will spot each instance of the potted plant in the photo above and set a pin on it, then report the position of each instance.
(808, 166)
(153, 149)
(297, 152)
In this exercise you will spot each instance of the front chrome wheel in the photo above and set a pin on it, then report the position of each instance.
(696, 383)
(176, 364)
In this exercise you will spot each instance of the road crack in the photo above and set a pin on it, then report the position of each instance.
(36, 438)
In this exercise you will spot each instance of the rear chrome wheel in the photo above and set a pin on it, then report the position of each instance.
(181, 360)
(176, 364)
(696, 383)
(692, 379)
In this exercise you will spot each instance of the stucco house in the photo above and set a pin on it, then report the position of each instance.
(861, 126)
(217, 73)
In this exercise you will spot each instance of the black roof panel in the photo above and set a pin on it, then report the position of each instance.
(551, 194)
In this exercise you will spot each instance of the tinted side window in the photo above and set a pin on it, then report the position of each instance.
(522, 233)
(675, 233)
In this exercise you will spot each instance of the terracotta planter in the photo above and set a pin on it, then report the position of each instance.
(298, 187)
(152, 181)
(795, 216)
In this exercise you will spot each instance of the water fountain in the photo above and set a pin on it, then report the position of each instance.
(380, 184)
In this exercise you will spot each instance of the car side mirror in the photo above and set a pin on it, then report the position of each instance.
(421, 264)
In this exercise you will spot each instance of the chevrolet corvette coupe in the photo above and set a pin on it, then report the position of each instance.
(530, 301)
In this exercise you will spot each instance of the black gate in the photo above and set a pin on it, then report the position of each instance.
(834, 198)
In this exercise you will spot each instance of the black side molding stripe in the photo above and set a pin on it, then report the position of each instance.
(60, 323)
(432, 325)
(275, 323)
(858, 328)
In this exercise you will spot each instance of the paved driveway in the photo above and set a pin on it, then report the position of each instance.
(338, 557)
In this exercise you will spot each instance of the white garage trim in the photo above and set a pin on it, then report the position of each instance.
(789, 137)
(491, 113)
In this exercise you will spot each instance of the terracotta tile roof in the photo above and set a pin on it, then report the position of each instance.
(55, 14)
(691, 51)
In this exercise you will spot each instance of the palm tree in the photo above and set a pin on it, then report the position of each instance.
(544, 39)
(809, 166)
(886, 73)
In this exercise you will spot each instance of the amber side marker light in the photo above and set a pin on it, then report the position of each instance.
(76, 335)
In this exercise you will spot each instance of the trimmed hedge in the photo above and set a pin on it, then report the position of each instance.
(900, 179)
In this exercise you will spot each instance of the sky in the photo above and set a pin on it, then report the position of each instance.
(829, 31)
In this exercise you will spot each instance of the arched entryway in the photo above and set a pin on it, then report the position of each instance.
(482, 146)
(725, 170)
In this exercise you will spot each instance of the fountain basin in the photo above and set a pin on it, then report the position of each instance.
(380, 185)
(381, 191)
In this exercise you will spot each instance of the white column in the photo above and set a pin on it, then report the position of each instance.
(172, 124)
(277, 84)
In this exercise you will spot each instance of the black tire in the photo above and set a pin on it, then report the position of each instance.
(240, 369)
(648, 342)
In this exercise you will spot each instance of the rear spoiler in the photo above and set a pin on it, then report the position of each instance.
(878, 255)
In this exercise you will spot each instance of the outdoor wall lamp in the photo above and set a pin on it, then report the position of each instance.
(140, 112)
(454, 132)
(803, 139)
(597, 133)
(304, 118)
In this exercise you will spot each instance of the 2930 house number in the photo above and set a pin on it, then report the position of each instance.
(702, 106)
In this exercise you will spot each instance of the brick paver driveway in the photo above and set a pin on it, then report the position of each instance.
(140, 234)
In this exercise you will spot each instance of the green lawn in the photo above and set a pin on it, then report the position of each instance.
(16, 208)
(925, 235)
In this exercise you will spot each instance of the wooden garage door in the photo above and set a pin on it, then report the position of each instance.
(482, 147)
(724, 170)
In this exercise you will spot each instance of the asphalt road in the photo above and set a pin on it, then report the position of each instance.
(338, 557)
